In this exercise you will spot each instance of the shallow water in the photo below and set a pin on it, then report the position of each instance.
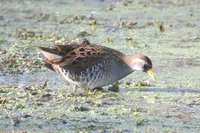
(167, 32)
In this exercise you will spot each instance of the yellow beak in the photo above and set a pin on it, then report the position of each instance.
(151, 74)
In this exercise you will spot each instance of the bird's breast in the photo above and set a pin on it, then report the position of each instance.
(101, 74)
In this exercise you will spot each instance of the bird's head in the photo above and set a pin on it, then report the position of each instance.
(140, 63)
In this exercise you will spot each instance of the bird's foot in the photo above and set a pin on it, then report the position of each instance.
(94, 90)
(74, 89)
(97, 89)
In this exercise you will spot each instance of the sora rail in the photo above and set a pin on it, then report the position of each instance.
(89, 65)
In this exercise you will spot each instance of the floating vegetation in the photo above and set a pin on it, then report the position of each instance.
(129, 25)
(142, 84)
(25, 34)
(114, 87)
(161, 27)
(83, 34)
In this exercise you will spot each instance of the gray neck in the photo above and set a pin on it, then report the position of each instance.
(120, 71)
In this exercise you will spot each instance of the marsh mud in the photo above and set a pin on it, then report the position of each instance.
(34, 99)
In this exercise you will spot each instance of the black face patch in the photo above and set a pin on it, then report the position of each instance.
(146, 67)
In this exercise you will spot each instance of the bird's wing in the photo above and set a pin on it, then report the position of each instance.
(83, 55)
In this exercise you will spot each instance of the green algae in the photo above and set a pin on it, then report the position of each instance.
(104, 111)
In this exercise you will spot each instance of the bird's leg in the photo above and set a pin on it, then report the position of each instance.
(74, 88)
(97, 89)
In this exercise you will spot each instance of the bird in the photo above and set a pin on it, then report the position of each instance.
(84, 64)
